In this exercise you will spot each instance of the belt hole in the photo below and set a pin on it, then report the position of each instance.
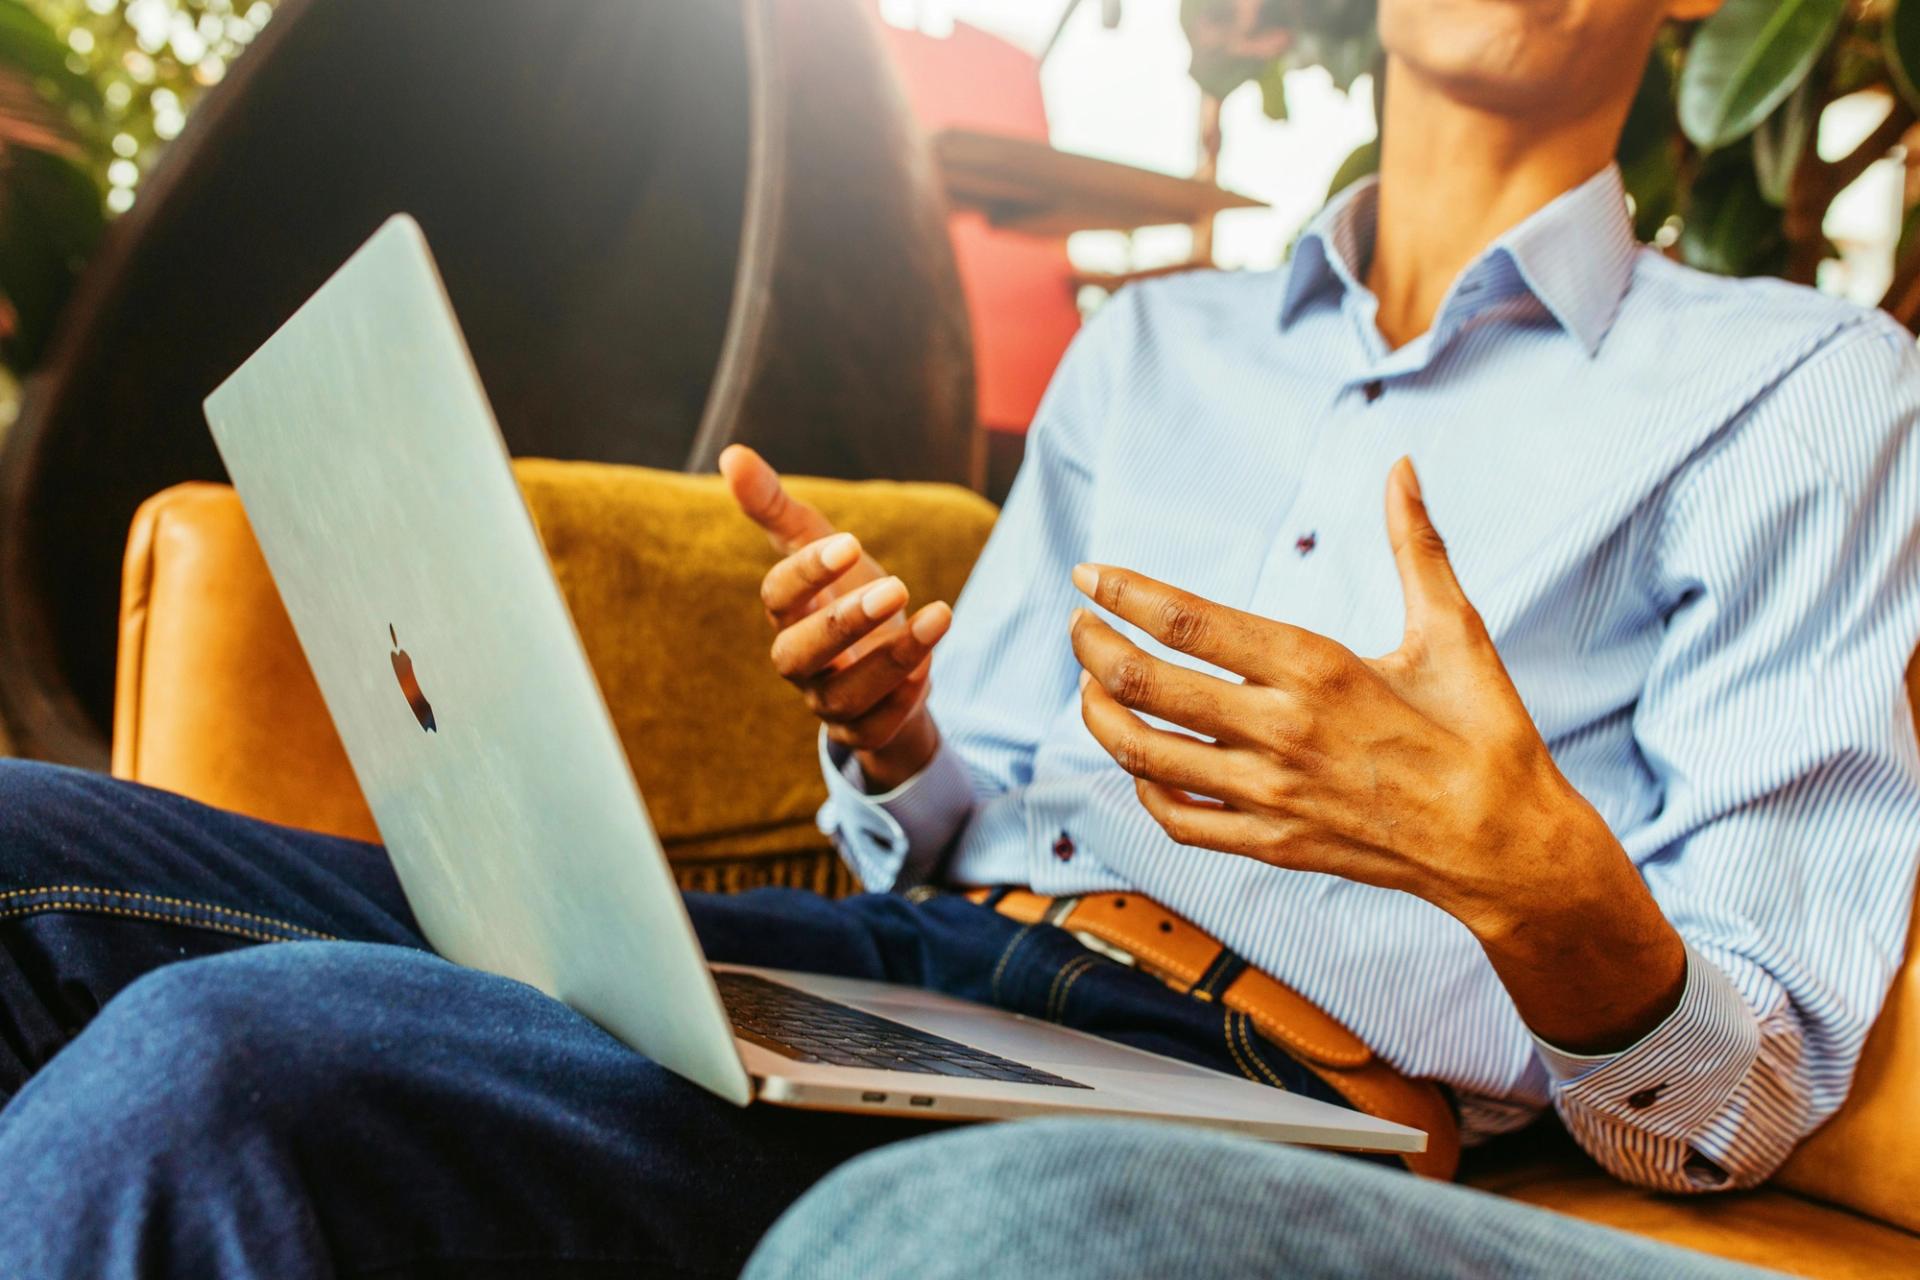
(1166, 926)
(1119, 904)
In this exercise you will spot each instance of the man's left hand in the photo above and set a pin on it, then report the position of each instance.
(1419, 771)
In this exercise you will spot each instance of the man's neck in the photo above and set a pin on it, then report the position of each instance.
(1452, 179)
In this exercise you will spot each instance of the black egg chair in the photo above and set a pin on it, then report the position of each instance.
(667, 225)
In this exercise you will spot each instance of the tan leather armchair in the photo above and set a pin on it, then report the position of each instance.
(215, 701)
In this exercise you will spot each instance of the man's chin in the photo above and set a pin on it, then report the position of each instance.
(1491, 84)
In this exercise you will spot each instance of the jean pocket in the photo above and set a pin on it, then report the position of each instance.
(135, 905)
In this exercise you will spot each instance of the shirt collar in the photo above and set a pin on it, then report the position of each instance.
(1574, 256)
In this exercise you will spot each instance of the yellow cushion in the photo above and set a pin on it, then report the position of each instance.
(661, 573)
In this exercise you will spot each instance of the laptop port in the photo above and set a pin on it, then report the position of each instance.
(873, 1097)
(919, 1102)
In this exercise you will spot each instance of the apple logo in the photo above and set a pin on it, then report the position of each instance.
(410, 684)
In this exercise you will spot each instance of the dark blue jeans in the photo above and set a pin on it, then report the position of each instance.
(180, 1100)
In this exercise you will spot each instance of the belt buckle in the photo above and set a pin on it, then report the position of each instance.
(1057, 915)
(1107, 949)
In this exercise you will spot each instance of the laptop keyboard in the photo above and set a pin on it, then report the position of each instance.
(808, 1028)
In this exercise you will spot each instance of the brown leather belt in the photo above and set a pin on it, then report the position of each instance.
(1160, 943)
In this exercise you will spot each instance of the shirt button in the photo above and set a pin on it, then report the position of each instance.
(1373, 390)
(1644, 1098)
(1063, 847)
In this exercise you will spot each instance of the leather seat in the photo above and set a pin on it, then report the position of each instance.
(215, 700)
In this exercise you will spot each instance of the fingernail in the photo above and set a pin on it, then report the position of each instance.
(883, 597)
(1087, 578)
(839, 551)
(931, 624)
(1084, 677)
(1413, 477)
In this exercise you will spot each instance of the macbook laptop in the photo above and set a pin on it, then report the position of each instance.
(376, 480)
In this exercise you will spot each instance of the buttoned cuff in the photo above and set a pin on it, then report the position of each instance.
(897, 839)
(1679, 1075)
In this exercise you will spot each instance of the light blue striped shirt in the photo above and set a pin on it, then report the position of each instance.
(1686, 508)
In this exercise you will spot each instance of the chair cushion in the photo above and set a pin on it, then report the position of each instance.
(1767, 1228)
(661, 573)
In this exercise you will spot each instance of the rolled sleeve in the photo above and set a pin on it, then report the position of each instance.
(896, 839)
(1675, 1083)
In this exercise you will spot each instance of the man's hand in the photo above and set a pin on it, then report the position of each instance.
(1419, 771)
(841, 635)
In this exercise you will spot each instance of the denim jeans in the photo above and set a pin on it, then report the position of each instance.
(1092, 1200)
(225, 1051)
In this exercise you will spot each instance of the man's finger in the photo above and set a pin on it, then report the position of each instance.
(1201, 823)
(1157, 755)
(1427, 583)
(1137, 679)
(1260, 649)
(812, 644)
(789, 522)
(791, 585)
(840, 697)
(881, 725)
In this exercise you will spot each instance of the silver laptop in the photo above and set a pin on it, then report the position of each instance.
(376, 480)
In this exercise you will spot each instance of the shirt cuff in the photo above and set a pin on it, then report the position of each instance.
(1679, 1076)
(896, 839)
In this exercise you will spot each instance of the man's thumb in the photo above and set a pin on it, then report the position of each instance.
(1426, 575)
(756, 486)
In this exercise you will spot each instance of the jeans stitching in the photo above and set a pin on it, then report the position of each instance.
(1000, 970)
(1056, 994)
(139, 896)
(53, 904)
(1226, 1028)
(1253, 1054)
(1066, 992)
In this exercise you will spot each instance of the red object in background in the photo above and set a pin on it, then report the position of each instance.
(1019, 288)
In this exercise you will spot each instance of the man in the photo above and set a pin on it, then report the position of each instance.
(1634, 838)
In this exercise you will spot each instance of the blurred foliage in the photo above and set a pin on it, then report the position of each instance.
(1719, 149)
(90, 92)
(1236, 41)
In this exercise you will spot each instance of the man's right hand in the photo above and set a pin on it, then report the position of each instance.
(842, 637)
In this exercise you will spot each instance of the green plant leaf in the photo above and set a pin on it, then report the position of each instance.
(1900, 42)
(1365, 159)
(1781, 140)
(1746, 59)
(1649, 124)
(1731, 229)
(1654, 184)
(1648, 153)
(1273, 92)
(1909, 228)
(30, 47)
